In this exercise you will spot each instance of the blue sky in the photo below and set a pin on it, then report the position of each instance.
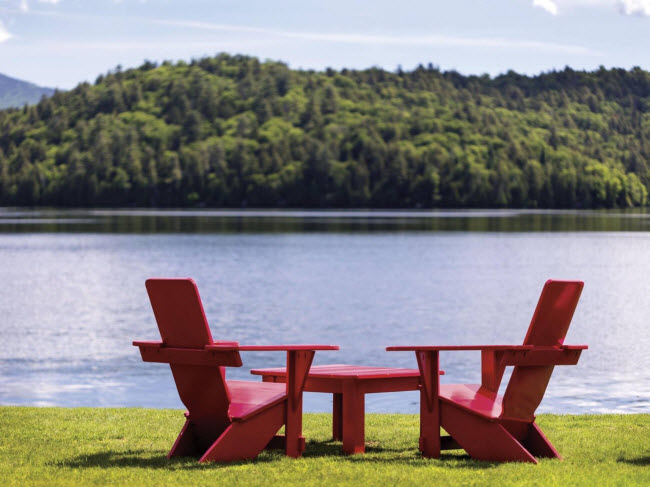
(62, 42)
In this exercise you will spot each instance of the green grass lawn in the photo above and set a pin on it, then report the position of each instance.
(52, 446)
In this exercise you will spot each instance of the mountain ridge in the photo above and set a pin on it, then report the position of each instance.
(16, 93)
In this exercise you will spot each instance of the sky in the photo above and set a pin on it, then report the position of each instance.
(60, 43)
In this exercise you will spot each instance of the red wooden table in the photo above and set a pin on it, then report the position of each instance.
(349, 384)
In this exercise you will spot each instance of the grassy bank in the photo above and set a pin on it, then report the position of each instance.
(51, 446)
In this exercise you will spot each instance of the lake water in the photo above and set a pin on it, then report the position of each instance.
(73, 296)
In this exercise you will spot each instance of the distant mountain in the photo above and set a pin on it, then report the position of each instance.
(15, 92)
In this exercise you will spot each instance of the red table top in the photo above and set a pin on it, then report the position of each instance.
(342, 371)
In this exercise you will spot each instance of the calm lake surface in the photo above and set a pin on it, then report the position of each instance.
(73, 296)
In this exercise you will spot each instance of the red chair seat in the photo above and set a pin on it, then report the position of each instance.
(248, 398)
(474, 398)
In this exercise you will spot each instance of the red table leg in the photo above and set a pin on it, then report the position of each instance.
(353, 418)
(337, 417)
(428, 362)
(298, 363)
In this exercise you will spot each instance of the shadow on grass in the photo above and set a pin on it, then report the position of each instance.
(143, 459)
(417, 461)
(640, 461)
(411, 457)
(157, 460)
(332, 448)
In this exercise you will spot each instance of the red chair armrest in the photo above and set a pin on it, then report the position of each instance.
(223, 347)
(148, 343)
(540, 357)
(443, 348)
(190, 356)
(274, 348)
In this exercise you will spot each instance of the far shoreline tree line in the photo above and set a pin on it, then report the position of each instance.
(231, 131)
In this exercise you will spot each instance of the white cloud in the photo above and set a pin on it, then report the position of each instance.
(369, 39)
(5, 35)
(23, 5)
(549, 5)
(625, 7)
(635, 7)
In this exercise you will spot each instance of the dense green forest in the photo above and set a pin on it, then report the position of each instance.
(231, 131)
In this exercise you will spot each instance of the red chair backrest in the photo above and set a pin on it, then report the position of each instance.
(179, 313)
(548, 328)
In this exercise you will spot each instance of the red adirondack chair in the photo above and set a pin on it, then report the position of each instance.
(485, 424)
(225, 420)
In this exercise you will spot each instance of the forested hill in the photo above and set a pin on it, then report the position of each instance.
(231, 131)
(15, 92)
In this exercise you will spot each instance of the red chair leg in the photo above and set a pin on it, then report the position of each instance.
(196, 436)
(185, 444)
(353, 419)
(428, 363)
(244, 440)
(429, 443)
(337, 417)
(538, 444)
(481, 438)
(298, 364)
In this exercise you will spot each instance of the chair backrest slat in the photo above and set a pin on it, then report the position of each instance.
(554, 313)
(548, 328)
(179, 313)
(182, 324)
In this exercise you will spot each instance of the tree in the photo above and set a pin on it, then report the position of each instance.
(234, 131)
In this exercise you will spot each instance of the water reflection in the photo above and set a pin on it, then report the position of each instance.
(72, 302)
(252, 221)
